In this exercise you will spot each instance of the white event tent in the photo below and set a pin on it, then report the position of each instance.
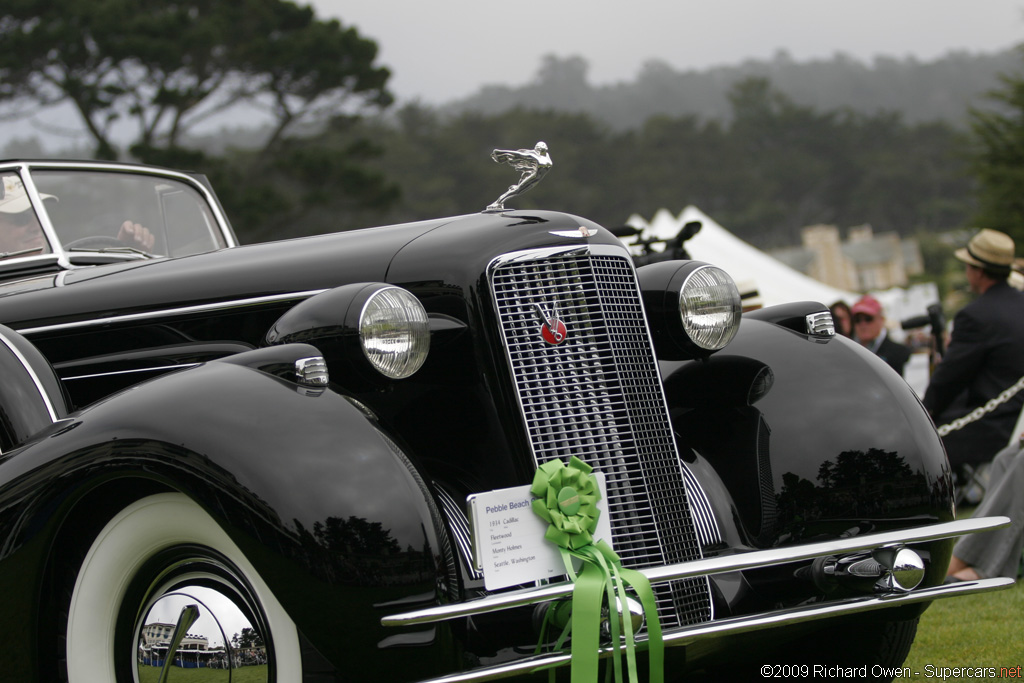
(776, 282)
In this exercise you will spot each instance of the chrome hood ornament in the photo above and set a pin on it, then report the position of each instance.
(533, 163)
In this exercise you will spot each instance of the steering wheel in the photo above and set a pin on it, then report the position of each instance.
(96, 242)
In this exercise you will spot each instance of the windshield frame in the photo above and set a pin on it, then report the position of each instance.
(65, 258)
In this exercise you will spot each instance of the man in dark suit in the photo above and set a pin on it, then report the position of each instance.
(985, 355)
(869, 330)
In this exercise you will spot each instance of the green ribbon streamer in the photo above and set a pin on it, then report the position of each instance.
(565, 496)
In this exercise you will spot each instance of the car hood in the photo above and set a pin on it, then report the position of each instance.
(457, 247)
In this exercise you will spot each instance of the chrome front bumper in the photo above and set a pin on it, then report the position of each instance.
(718, 565)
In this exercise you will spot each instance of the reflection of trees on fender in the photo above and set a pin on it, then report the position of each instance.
(854, 468)
(355, 535)
(356, 551)
(856, 484)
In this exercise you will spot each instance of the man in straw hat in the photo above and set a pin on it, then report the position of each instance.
(985, 355)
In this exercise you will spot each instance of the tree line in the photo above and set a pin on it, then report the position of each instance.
(337, 154)
(936, 90)
(772, 169)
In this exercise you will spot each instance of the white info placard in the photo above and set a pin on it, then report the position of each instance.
(508, 537)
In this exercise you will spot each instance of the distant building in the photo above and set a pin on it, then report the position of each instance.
(193, 651)
(866, 261)
(156, 633)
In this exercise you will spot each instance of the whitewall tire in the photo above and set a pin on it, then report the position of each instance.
(153, 547)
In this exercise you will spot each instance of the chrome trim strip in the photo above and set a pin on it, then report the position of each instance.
(796, 615)
(32, 374)
(700, 505)
(160, 368)
(168, 312)
(459, 525)
(713, 565)
(685, 635)
(43, 216)
(529, 255)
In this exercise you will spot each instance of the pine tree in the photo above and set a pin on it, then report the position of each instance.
(999, 158)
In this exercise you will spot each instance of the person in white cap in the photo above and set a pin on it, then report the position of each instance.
(20, 232)
(22, 235)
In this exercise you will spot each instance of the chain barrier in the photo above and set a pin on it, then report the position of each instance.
(981, 411)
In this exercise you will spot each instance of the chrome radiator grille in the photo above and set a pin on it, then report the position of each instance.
(597, 395)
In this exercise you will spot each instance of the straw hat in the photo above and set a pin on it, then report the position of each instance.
(989, 249)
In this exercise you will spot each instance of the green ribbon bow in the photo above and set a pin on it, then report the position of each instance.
(565, 496)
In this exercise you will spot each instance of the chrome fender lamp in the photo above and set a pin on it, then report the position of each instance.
(805, 317)
(889, 569)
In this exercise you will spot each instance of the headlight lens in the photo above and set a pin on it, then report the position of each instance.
(394, 332)
(709, 304)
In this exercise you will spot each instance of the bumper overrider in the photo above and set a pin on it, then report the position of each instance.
(885, 557)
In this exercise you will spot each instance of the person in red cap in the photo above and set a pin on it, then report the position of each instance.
(869, 329)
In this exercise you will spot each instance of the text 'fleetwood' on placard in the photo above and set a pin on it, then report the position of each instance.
(508, 538)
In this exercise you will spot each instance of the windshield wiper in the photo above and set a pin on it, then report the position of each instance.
(117, 250)
(21, 252)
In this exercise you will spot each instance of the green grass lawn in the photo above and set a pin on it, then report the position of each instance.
(245, 674)
(985, 630)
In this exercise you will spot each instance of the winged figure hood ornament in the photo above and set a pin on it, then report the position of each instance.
(532, 163)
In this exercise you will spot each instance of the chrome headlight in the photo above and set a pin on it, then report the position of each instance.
(366, 331)
(394, 332)
(709, 305)
(694, 308)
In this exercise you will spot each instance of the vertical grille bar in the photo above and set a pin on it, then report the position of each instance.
(598, 396)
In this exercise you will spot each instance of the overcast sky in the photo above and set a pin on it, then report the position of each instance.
(439, 50)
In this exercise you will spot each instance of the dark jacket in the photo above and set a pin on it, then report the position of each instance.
(985, 356)
(893, 353)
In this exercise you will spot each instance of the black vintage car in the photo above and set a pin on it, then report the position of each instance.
(221, 456)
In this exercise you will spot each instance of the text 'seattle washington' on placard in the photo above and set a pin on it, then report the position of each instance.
(508, 538)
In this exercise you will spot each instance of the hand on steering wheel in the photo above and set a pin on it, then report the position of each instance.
(136, 236)
(130, 235)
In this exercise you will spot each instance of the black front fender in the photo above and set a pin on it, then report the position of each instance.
(812, 437)
(327, 507)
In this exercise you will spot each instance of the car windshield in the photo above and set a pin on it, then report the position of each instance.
(112, 211)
